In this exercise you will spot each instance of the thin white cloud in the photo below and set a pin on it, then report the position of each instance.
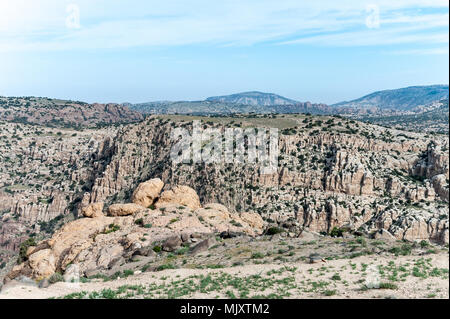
(26, 25)
(372, 38)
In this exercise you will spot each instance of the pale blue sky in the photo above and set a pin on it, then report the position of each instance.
(137, 51)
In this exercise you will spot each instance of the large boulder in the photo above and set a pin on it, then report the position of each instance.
(43, 263)
(172, 243)
(104, 242)
(203, 245)
(146, 193)
(124, 209)
(108, 254)
(254, 220)
(179, 195)
(93, 210)
(76, 236)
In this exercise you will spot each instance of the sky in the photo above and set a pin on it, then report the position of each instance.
(323, 51)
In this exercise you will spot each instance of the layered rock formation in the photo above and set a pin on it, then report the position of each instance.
(60, 113)
(332, 173)
(43, 174)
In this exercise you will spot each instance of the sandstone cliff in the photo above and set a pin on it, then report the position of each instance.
(332, 173)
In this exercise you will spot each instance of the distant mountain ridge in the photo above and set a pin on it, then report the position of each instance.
(221, 108)
(403, 99)
(64, 113)
(409, 99)
(387, 107)
(421, 108)
(253, 98)
(432, 118)
(245, 102)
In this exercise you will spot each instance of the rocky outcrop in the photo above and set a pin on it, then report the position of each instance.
(42, 263)
(95, 244)
(203, 246)
(179, 195)
(43, 111)
(332, 172)
(383, 234)
(329, 175)
(43, 174)
(146, 193)
(440, 184)
(93, 210)
(434, 166)
(124, 209)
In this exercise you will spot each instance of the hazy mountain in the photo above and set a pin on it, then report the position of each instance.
(430, 118)
(221, 108)
(247, 102)
(403, 99)
(253, 98)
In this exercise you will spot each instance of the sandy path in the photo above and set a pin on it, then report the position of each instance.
(348, 286)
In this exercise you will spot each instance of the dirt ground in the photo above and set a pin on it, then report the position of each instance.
(281, 268)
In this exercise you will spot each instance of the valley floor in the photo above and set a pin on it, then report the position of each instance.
(370, 276)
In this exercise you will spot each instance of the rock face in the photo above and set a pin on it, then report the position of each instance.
(50, 170)
(124, 209)
(35, 110)
(179, 195)
(172, 243)
(94, 244)
(93, 210)
(332, 172)
(203, 246)
(146, 193)
(43, 263)
(384, 235)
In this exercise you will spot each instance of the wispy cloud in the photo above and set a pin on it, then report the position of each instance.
(26, 25)
(431, 51)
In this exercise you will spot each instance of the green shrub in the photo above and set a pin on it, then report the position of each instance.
(257, 255)
(329, 292)
(388, 285)
(361, 241)
(157, 249)
(182, 251)
(404, 250)
(111, 228)
(336, 232)
(127, 273)
(424, 244)
(274, 230)
(30, 242)
(336, 277)
(56, 277)
(165, 266)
